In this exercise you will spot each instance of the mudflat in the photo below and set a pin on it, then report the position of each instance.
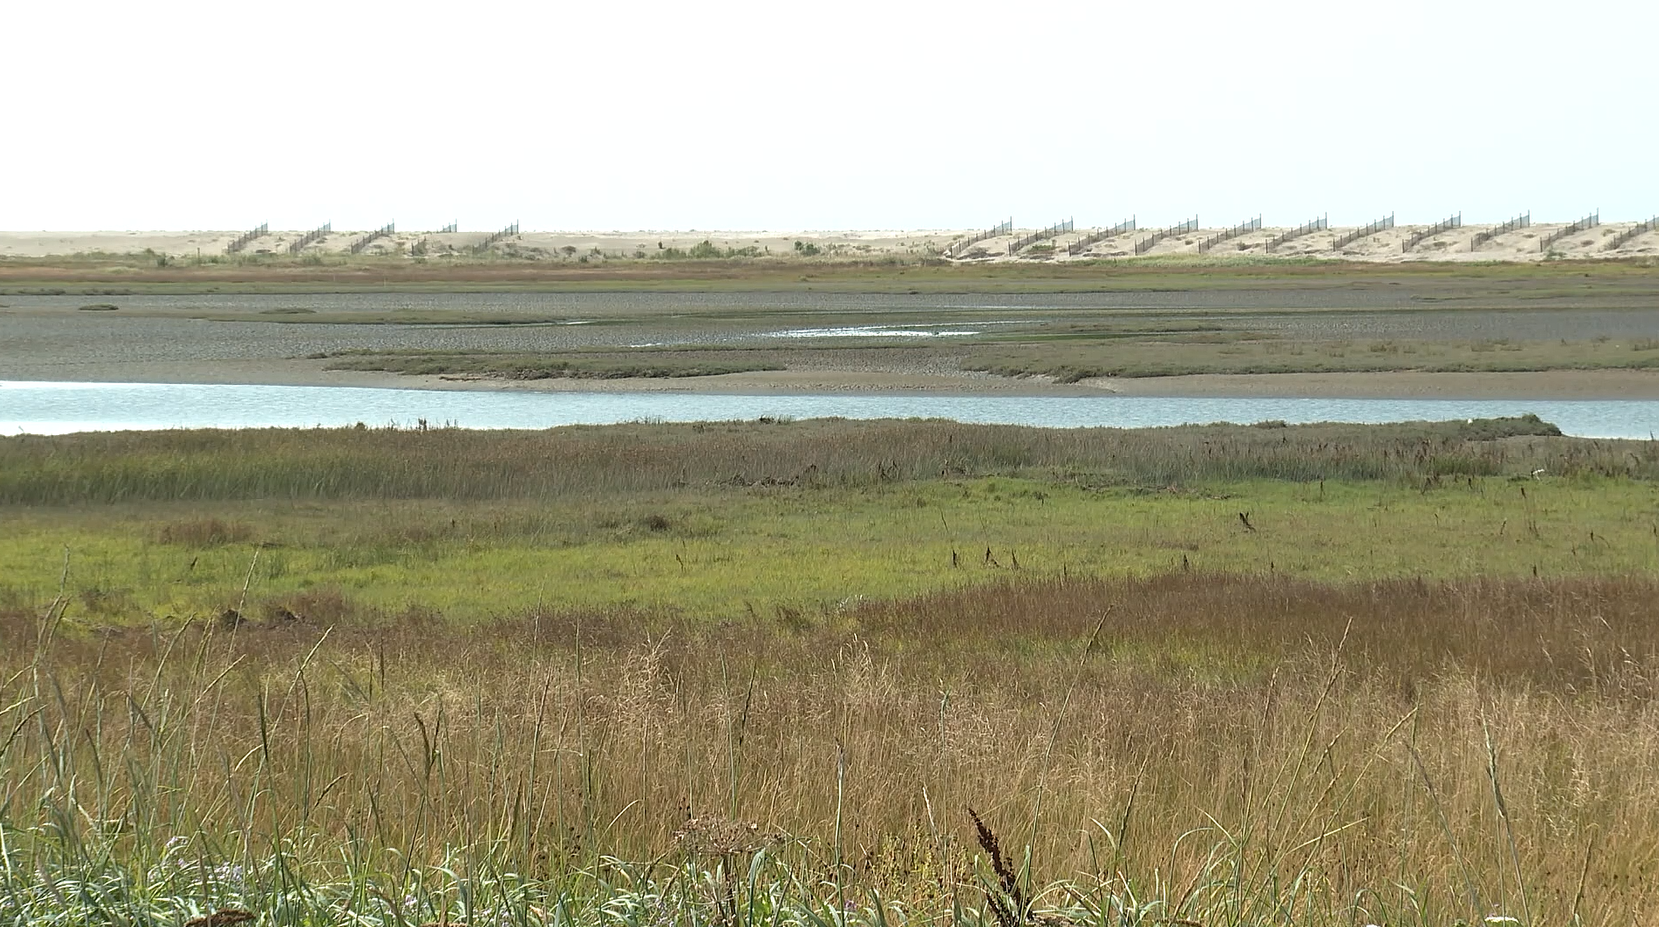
(1559, 331)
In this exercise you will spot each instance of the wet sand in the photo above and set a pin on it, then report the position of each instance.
(1550, 384)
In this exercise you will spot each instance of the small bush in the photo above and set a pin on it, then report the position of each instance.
(1488, 429)
(322, 605)
(204, 532)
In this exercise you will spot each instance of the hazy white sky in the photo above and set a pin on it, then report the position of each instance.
(822, 115)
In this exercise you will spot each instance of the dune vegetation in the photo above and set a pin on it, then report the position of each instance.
(122, 274)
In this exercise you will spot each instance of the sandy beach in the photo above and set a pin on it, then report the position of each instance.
(1387, 246)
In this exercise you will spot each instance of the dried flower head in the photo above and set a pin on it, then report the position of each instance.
(718, 836)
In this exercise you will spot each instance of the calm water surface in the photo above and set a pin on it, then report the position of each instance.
(59, 408)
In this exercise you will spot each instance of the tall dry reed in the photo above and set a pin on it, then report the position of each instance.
(1255, 750)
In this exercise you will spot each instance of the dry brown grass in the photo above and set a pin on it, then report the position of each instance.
(1268, 738)
(1574, 635)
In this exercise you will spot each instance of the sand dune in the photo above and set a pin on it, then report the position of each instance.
(1386, 247)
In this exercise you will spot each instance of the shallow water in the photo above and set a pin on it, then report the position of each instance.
(60, 408)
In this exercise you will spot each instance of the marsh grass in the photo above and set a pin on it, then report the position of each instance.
(1075, 359)
(1219, 749)
(457, 464)
(1261, 727)
(732, 520)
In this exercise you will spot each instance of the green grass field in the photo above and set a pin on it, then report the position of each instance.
(723, 552)
(722, 521)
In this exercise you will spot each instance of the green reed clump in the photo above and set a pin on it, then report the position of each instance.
(522, 366)
(185, 887)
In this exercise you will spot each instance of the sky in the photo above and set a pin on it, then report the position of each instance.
(823, 115)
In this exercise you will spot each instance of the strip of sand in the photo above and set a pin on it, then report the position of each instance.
(1549, 384)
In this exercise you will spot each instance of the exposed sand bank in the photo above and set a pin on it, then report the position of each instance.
(1551, 384)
